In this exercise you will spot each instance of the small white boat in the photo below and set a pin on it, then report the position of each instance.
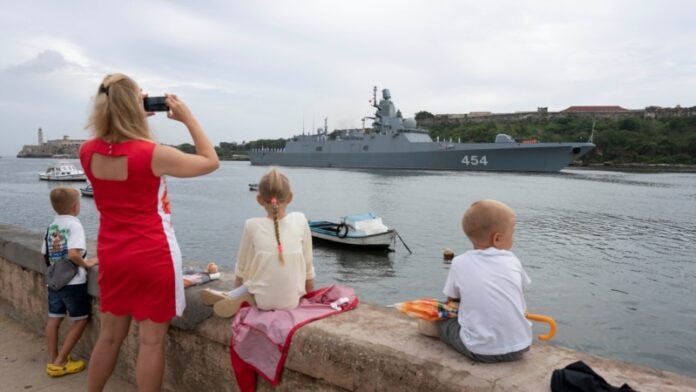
(63, 171)
(363, 230)
(87, 191)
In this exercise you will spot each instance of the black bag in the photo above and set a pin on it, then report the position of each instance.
(59, 273)
(578, 377)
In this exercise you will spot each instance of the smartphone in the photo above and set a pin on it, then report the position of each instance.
(155, 104)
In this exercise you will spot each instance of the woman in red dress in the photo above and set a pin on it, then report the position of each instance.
(140, 263)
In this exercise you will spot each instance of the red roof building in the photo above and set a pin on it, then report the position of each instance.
(595, 109)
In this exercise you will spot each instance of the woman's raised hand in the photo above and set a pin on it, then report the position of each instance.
(178, 109)
(168, 160)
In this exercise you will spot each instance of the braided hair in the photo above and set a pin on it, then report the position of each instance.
(274, 188)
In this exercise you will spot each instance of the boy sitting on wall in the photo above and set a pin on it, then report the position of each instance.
(488, 282)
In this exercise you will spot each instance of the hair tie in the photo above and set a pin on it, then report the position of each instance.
(280, 248)
(104, 89)
(274, 201)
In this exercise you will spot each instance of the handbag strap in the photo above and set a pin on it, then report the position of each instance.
(46, 259)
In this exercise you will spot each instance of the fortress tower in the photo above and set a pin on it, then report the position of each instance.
(41, 142)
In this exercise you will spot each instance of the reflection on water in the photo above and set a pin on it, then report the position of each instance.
(356, 266)
(616, 178)
(611, 255)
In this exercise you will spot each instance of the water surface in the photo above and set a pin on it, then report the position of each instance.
(612, 256)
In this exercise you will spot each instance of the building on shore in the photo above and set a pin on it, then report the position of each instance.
(63, 148)
(605, 111)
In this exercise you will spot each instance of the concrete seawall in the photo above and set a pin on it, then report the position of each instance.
(368, 349)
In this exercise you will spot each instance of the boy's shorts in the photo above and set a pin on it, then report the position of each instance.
(72, 299)
(449, 334)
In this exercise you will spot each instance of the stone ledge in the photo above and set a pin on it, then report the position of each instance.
(368, 349)
(23, 248)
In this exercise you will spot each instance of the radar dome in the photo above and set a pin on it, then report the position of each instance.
(410, 123)
(503, 138)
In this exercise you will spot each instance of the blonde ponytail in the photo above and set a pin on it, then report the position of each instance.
(118, 112)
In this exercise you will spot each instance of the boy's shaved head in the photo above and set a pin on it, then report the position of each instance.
(486, 217)
(63, 199)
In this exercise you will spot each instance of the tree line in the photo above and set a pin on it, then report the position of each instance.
(233, 151)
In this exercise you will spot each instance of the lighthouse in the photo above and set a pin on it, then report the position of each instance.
(40, 137)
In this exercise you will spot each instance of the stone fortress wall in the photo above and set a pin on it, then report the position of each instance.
(65, 148)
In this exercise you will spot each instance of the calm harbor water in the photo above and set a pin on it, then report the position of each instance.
(612, 256)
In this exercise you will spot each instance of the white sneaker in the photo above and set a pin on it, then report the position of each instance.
(230, 306)
(211, 297)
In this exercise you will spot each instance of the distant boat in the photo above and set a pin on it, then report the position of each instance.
(363, 231)
(87, 191)
(253, 187)
(63, 171)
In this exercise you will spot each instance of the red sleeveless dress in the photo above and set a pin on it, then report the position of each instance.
(139, 258)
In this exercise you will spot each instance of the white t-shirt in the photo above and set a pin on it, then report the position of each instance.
(65, 233)
(489, 284)
(276, 284)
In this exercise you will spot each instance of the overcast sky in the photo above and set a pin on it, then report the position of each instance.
(260, 69)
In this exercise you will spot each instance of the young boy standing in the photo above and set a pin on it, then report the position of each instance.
(488, 282)
(65, 239)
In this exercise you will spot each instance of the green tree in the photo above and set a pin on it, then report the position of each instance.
(626, 140)
(422, 115)
(187, 148)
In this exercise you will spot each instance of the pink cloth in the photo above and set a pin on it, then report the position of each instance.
(261, 338)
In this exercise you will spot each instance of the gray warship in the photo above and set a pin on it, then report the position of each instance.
(398, 143)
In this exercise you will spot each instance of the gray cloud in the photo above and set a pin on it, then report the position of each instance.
(44, 62)
(258, 69)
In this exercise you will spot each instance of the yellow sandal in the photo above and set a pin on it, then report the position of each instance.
(70, 367)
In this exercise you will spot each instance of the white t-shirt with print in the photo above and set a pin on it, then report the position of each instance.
(490, 285)
(66, 232)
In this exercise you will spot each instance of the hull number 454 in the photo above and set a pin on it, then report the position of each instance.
(474, 160)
